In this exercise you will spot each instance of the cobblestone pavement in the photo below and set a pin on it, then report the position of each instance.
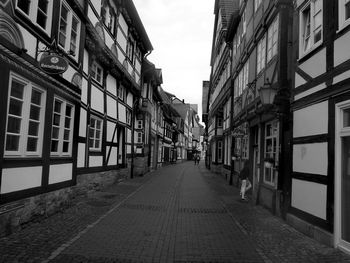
(179, 213)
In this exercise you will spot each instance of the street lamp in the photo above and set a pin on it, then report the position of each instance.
(267, 93)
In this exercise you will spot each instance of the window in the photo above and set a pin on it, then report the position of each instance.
(244, 147)
(130, 51)
(344, 13)
(108, 16)
(139, 137)
(62, 128)
(69, 31)
(38, 11)
(257, 3)
(219, 151)
(95, 134)
(310, 26)
(139, 124)
(219, 122)
(128, 116)
(121, 92)
(96, 72)
(245, 75)
(25, 118)
(272, 39)
(261, 54)
(271, 151)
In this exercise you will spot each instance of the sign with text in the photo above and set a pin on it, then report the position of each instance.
(53, 63)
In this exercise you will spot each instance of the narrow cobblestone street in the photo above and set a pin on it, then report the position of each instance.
(179, 213)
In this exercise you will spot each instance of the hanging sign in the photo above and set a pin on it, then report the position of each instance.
(53, 63)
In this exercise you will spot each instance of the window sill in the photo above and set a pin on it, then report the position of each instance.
(306, 54)
(344, 25)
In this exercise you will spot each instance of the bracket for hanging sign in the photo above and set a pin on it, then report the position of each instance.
(52, 62)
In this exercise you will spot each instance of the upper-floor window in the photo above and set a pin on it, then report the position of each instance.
(219, 122)
(38, 11)
(310, 26)
(139, 137)
(257, 3)
(272, 39)
(62, 128)
(244, 22)
(344, 13)
(69, 30)
(139, 124)
(121, 92)
(130, 50)
(96, 72)
(260, 63)
(108, 16)
(95, 134)
(25, 118)
(128, 116)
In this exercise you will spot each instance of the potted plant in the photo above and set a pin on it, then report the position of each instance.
(269, 162)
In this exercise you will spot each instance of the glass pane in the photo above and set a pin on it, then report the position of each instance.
(67, 122)
(14, 125)
(91, 133)
(98, 124)
(41, 19)
(34, 113)
(43, 5)
(12, 142)
(24, 5)
(318, 36)
(36, 97)
(268, 130)
(56, 119)
(345, 190)
(32, 144)
(91, 143)
(97, 144)
(55, 132)
(17, 89)
(318, 20)
(33, 128)
(347, 10)
(92, 123)
(66, 135)
(57, 107)
(98, 134)
(65, 147)
(68, 111)
(15, 107)
(54, 146)
(62, 39)
(346, 117)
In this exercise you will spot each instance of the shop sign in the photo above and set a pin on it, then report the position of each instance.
(53, 63)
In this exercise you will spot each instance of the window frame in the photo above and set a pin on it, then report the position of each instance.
(94, 72)
(68, 37)
(272, 40)
(62, 128)
(33, 14)
(261, 55)
(94, 138)
(139, 137)
(272, 171)
(342, 21)
(28, 87)
(311, 21)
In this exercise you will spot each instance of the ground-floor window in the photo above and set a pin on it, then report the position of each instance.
(219, 151)
(95, 133)
(271, 151)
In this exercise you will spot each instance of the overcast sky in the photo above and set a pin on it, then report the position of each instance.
(181, 33)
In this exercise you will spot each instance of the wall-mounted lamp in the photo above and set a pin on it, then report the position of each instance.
(267, 93)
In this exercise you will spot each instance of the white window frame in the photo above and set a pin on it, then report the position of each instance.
(94, 137)
(261, 55)
(139, 137)
(62, 128)
(272, 172)
(343, 22)
(303, 20)
(257, 4)
(25, 118)
(245, 147)
(33, 14)
(139, 124)
(69, 31)
(95, 69)
(272, 39)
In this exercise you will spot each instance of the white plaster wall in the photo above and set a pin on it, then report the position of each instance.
(110, 131)
(342, 49)
(128, 134)
(91, 14)
(111, 83)
(95, 161)
(86, 62)
(123, 23)
(82, 122)
(121, 55)
(113, 157)
(341, 77)
(121, 40)
(316, 64)
(97, 102)
(121, 113)
(81, 155)
(299, 80)
(16, 179)
(310, 91)
(309, 197)
(129, 99)
(311, 120)
(30, 41)
(111, 107)
(108, 39)
(84, 91)
(68, 75)
(310, 158)
(138, 67)
(60, 173)
(128, 149)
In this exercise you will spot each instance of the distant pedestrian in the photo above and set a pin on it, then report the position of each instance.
(245, 183)
(198, 159)
(195, 157)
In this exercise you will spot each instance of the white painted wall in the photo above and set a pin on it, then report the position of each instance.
(60, 173)
(123, 24)
(110, 131)
(310, 158)
(121, 40)
(16, 179)
(310, 91)
(30, 41)
(82, 122)
(81, 155)
(316, 64)
(109, 41)
(309, 197)
(311, 120)
(97, 101)
(86, 62)
(68, 75)
(342, 49)
(341, 77)
(299, 80)
(128, 134)
(95, 161)
(91, 14)
(111, 107)
(129, 99)
(111, 83)
(84, 91)
(113, 157)
(121, 113)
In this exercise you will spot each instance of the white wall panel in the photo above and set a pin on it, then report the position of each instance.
(91, 13)
(342, 49)
(128, 134)
(122, 41)
(311, 120)
(316, 64)
(60, 173)
(68, 74)
(109, 41)
(81, 155)
(110, 131)
(82, 123)
(84, 91)
(310, 158)
(95, 161)
(86, 62)
(341, 77)
(123, 23)
(111, 107)
(309, 197)
(128, 149)
(97, 102)
(129, 99)
(299, 80)
(29, 41)
(121, 113)
(16, 179)
(111, 83)
(310, 91)
(113, 156)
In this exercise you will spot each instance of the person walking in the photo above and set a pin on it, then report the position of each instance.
(245, 183)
